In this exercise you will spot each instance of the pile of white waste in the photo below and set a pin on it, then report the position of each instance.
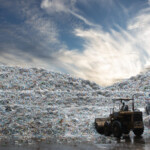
(140, 82)
(39, 105)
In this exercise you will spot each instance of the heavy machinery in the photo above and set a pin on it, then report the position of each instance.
(122, 121)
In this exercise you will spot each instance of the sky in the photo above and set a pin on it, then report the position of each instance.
(99, 40)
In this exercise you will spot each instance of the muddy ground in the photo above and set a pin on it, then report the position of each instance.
(127, 142)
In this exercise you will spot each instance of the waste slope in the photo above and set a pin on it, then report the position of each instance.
(39, 105)
(140, 82)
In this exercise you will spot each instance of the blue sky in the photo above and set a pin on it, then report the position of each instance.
(98, 40)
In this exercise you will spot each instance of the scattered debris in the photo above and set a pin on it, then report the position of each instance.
(39, 105)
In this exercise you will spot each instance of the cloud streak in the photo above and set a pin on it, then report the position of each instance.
(23, 59)
(109, 56)
(65, 6)
(58, 5)
(32, 42)
(37, 35)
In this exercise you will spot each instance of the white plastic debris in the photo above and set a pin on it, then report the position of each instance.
(37, 105)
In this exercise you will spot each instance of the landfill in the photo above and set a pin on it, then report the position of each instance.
(39, 105)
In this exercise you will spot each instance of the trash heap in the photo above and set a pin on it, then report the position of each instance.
(37, 105)
(137, 83)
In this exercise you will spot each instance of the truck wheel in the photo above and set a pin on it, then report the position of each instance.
(107, 129)
(99, 129)
(138, 132)
(117, 129)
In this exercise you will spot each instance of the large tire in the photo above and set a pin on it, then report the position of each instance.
(107, 129)
(99, 129)
(138, 132)
(117, 129)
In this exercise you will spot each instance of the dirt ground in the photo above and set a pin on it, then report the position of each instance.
(129, 142)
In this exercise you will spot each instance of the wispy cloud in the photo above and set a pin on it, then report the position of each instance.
(58, 5)
(42, 25)
(37, 35)
(32, 42)
(109, 56)
(23, 59)
(65, 6)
